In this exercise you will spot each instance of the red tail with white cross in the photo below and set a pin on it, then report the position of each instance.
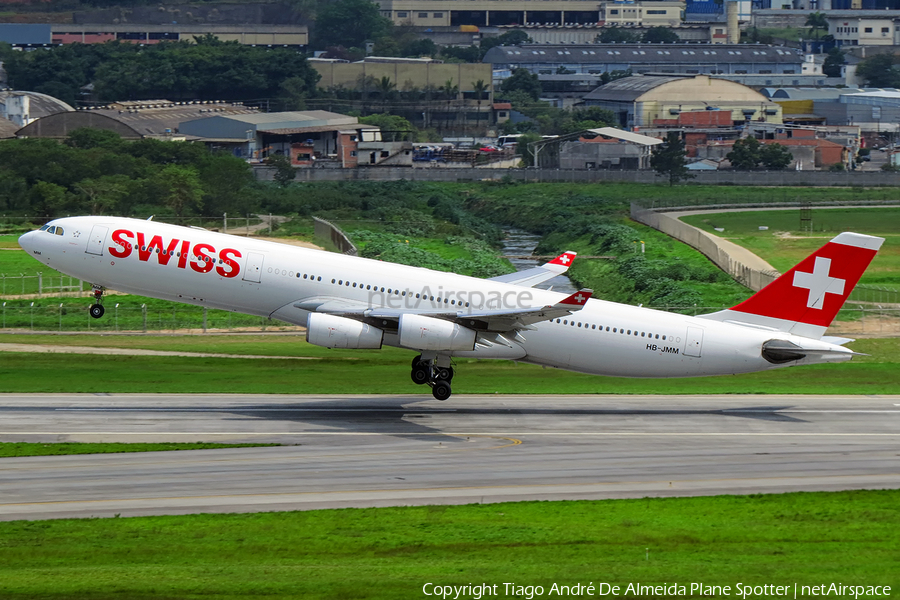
(814, 291)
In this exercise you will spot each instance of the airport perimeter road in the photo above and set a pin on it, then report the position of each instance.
(405, 450)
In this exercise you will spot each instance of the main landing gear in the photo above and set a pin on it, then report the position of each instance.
(97, 309)
(433, 373)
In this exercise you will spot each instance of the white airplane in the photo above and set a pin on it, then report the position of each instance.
(351, 302)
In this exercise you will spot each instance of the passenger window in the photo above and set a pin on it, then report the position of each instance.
(347, 284)
(319, 279)
(566, 322)
(664, 337)
(657, 336)
(615, 330)
(642, 334)
(579, 323)
(594, 327)
(608, 329)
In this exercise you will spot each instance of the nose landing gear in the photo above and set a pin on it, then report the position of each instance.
(426, 371)
(97, 309)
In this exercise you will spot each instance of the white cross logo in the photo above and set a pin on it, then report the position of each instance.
(819, 283)
(564, 259)
(579, 298)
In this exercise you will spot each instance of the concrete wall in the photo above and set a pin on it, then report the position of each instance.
(328, 231)
(765, 178)
(702, 241)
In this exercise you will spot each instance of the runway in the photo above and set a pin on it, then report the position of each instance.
(410, 450)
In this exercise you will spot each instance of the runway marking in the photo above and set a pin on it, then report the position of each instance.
(253, 409)
(504, 434)
(670, 484)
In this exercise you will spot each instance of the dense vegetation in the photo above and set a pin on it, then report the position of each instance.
(95, 172)
(808, 538)
(208, 70)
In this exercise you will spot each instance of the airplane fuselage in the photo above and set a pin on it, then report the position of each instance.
(270, 279)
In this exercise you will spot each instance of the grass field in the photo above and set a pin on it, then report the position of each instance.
(803, 538)
(387, 371)
(17, 449)
(784, 244)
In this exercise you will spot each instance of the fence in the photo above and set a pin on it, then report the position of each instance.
(40, 285)
(74, 316)
(853, 321)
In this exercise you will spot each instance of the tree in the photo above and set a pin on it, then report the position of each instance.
(479, 87)
(617, 35)
(775, 157)
(294, 92)
(386, 89)
(744, 154)
(349, 23)
(87, 137)
(660, 35)
(180, 188)
(525, 149)
(879, 71)
(394, 128)
(450, 91)
(833, 63)
(104, 193)
(284, 170)
(816, 21)
(668, 159)
(523, 80)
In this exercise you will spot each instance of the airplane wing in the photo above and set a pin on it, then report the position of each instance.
(532, 277)
(498, 320)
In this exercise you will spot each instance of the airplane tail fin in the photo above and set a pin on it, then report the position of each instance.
(805, 300)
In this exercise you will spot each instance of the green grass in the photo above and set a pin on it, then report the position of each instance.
(808, 538)
(387, 371)
(784, 251)
(17, 449)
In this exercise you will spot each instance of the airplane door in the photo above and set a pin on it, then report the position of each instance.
(97, 239)
(254, 267)
(694, 342)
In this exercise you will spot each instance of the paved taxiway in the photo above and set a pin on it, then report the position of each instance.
(403, 450)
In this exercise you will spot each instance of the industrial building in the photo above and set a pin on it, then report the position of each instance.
(499, 13)
(643, 101)
(688, 59)
(310, 138)
(19, 34)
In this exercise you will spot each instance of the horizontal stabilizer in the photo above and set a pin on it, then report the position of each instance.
(545, 272)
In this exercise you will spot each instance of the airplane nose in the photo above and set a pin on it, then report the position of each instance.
(26, 241)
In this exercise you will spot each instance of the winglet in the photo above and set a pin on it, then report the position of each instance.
(561, 263)
(578, 299)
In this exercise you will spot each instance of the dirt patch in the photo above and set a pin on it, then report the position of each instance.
(870, 326)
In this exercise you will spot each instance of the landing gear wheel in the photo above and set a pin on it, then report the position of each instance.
(416, 361)
(441, 390)
(420, 375)
(443, 374)
(97, 310)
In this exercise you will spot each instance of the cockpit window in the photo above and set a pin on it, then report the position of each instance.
(52, 229)
(59, 231)
(44, 228)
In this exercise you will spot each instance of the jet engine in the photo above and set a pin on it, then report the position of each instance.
(338, 332)
(427, 333)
